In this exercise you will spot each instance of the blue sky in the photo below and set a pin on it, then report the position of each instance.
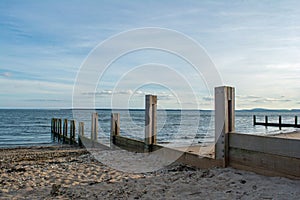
(255, 46)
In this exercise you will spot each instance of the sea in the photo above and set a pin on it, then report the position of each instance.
(32, 127)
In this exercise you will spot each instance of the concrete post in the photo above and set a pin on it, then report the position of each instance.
(150, 120)
(94, 129)
(114, 126)
(224, 120)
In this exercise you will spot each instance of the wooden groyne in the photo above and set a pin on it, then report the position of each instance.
(59, 131)
(279, 124)
(266, 155)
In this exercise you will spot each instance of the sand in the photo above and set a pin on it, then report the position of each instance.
(291, 135)
(64, 172)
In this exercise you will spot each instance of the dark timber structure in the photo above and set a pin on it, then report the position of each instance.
(279, 124)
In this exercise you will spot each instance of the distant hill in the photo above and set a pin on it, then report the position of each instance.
(270, 110)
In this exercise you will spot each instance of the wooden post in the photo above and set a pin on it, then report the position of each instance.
(254, 120)
(296, 121)
(59, 129)
(81, 128)
(266, 120)
(52, 128)
(55, 126)
(150, 121)
(80, 133)
(56, 129)
(224, 121)
(280, 122)
(94, 129)
(65, 130)
(114, 127)
(72, 131)
(52, 120)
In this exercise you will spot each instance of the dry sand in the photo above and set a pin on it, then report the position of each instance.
(64, 172)
(291, 135)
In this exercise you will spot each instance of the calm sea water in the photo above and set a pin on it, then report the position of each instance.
(32, 127)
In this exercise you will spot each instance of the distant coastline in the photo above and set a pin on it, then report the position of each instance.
(168, 109)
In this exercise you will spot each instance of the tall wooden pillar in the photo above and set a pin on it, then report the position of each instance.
(94, 128)
(224, 120)
(114, 127)
(150, 121)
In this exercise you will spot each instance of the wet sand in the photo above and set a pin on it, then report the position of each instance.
(64, 172)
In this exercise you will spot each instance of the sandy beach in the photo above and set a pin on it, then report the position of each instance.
(65, 172)
(291, 135)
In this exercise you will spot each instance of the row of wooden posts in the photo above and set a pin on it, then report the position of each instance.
(279, 124)
(261, 154)
(59, 130)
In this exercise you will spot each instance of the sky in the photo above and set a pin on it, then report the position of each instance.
(254, 45)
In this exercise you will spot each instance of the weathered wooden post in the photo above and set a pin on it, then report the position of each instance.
(55, 130)
(94, 129)
(72, 131)
(52, 128)
(254, 120)
(81, 129)
(52, 120)
(150, 121)
(65, 130)
(280, 122)
(266, 120)
(224, 121)
(296, 121)
(80, 133)
(114, 127)
(59, 129)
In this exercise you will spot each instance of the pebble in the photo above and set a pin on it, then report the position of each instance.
(28, 189)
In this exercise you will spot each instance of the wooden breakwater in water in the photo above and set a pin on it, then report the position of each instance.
(60, 133)
(279, 124)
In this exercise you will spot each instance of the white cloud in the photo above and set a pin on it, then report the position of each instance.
(6, 74)
(255, 46)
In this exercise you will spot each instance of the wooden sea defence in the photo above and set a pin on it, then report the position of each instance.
(279, 124)
(266, 155)
(59, 131)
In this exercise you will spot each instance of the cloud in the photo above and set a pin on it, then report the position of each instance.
(271, 100)
(208, 98)
(109, 93)
(257, 46)
(287, 66)
(6, 74)
(44, 100)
